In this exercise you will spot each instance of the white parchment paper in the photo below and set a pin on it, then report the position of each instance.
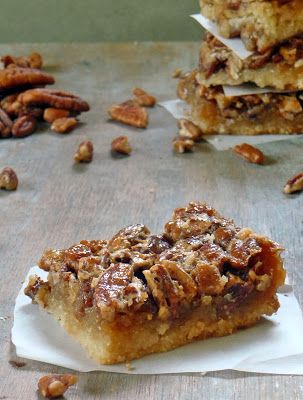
(273, 346)
(249, 88)
(179, 109)
(235, 44)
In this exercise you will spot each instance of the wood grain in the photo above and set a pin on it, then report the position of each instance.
(58, 203)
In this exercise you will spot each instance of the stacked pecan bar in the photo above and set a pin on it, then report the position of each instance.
(139, 293)
(272, 30)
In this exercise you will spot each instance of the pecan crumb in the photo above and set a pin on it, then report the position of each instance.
(295, 184)
(17, 364)
(189, 130)
(177, 73)
(129, 113)
(51, 114)
(121, 145)
(249, 153)
(52, 386)
(183, 144)
(64, 125)
(143, 98)
(85, 152)
(8, 179)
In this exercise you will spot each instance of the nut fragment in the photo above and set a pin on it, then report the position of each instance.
(183, 144)
(85, 152)
(24, 126)
(8, 179)
(64, 125)
(129, 113)
(51, 114)
(249, 153)
(189, 129)
(121, 145)
(143, 98)
(177, 73)
(52, 386)
(34, 60)
(294, 184)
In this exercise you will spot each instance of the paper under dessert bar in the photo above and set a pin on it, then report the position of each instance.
(280, 67)
(139, 293)
(261, 24)
(254, 114)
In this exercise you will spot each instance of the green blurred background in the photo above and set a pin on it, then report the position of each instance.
(97, 20)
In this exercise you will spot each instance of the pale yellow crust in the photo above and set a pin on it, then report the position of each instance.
(261, 24)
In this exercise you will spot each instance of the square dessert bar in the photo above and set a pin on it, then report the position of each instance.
(139, 293)
(261, 24)
(280, 67)
(254, 114)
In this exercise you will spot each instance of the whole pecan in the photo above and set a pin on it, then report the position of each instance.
(8, 179)
(129, 113)
(53, 98)
(51, 114)
(295, 184)
(249, 153)
(52, 386)
(24, 126)
(5, 124)
(64, 125)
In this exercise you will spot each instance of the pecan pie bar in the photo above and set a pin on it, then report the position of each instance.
(280, 67)
(139, 293)
(257, 114)
(261, 24)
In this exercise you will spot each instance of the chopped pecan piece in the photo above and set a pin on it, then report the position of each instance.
(53, 98)
(34, 60)
(121, 145)
(85, 152)
(249, 153)
(33, 286)
(209, 279)
(295, 184)
(188, 129)
(24, 126)
(129, 113)
(183, 144)
(5, 124)
(11, 78)
(289, 106)
(64, 125)
(8, 179)
(53, 386)
(143, 98)
(51, 114)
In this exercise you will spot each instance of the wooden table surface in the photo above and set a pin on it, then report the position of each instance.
(58, 204)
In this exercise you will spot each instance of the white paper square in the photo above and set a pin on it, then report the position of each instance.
(273, 346)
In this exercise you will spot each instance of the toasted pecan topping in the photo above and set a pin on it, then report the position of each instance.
(200, 258)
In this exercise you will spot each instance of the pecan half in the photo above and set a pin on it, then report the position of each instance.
(34, 60)
(53, 98)
(129, 113)
(249, 153)
(5, 124)
(11, 78)
(53, 386)
(51, 114)
(85, 152)
(189, 130)
(295, 184)
(143, 98)
(183, 144)
(8, 179)
(64, 125)
(121, 145)
(24, 126)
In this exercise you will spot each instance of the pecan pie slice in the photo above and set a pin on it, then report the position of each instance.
(138, 293)
(261, 24)
(280, 67)
(255, 114)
